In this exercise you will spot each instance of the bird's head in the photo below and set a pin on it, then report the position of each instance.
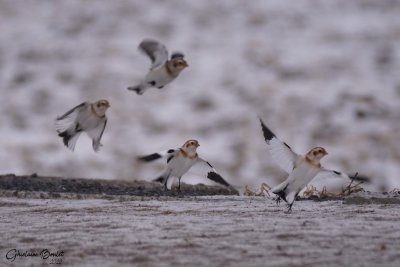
(178, 62)
(190, 146)
(316, 154)
(101, 107)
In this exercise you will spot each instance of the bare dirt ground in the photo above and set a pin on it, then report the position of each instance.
(115, 229)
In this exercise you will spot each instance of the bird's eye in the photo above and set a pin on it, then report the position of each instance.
(315, 153)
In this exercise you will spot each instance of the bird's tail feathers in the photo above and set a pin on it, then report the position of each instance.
(159, 179)
(69, 139)
(280, 190)
(281, 194)
(62, 125)
(139, 89)
(165, 180)
(65, 136)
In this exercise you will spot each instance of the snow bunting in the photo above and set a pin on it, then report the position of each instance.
(87, 117)
(180, 160)
(162, 71)
(301, 169)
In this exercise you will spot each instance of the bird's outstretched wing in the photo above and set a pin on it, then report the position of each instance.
(63, 122)
(204, 168)
(325, 173)
(167, 154)
(281, 152)
(156, 51)
(96, 134)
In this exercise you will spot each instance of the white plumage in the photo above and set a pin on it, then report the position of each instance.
(86, 117)
(301, 169)
(162, 70)
(180, 161)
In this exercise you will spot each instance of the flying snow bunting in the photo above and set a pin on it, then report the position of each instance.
(162, 70)
(87, 117)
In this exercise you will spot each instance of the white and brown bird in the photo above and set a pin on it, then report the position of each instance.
(87, 117)
(301, 169)
(162, 70)
(180, 160)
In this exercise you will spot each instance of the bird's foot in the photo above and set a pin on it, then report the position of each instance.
(289, 208)
(277, 200)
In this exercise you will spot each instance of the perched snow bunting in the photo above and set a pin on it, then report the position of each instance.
(162, 71)
(180, 160)
(301, 169)
(86, 117)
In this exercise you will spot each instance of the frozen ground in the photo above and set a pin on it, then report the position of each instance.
(322, 73)
(103, 223)
(198, 231)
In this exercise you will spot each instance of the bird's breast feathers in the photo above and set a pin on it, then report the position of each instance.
(302, 175)
(160, 76)
(184, 154)
(312, 163)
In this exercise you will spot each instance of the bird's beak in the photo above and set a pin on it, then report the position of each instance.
(186, 65)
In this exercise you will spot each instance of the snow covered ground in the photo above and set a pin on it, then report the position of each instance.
(197, 231)
(322, 73)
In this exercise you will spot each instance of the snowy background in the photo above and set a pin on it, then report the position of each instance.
(319, 73)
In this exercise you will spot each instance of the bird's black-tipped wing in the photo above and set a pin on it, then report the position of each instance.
(204, 168)
(156, 51)
(281, 152)
(213, 176)
(62, 123)
(268, 134)
(69, 112)
(326, 173)
(150, 157)
(168, 154)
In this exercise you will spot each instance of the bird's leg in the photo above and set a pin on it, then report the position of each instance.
(179, 184)
(289, 208)
(278, 200)
(165, 187)
(165, 182)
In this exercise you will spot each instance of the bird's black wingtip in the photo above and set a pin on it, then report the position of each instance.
(268, 134)
(360, 178)
(213, 176)
(150, 157)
